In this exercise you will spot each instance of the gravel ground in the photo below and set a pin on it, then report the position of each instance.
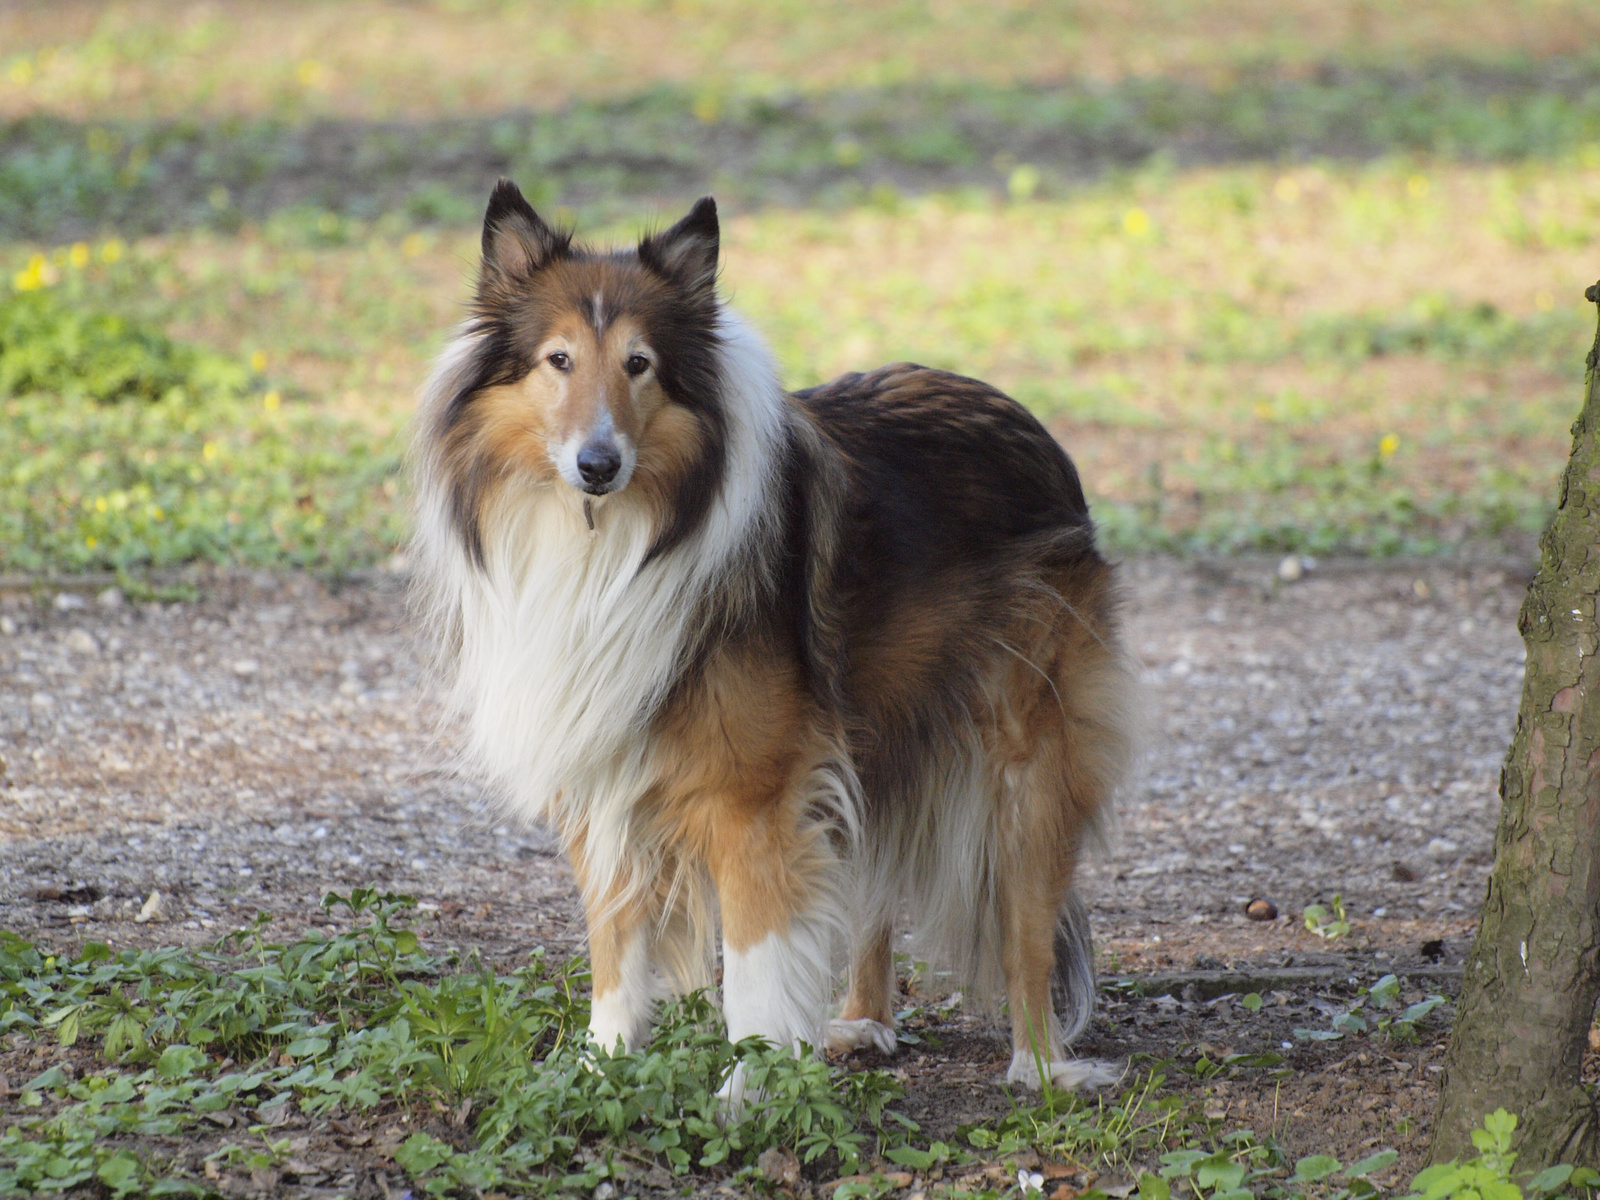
(248, 751)
(274, 740)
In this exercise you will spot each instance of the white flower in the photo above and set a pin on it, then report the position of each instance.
(1029, 1183)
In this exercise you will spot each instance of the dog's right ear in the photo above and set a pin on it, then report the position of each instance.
(516, 241)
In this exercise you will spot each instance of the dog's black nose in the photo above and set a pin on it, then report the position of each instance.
(599, 462)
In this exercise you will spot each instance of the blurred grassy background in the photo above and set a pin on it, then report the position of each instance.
(1293, 275)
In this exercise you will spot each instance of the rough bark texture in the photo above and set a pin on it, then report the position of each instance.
(1531, 982)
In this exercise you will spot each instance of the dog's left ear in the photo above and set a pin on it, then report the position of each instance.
(687, 253)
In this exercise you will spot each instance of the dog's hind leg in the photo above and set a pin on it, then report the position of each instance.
(1034, 975)
(868, 1015)
(1064, 749)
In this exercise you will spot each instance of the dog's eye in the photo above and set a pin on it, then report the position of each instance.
(637, 364)
(560, 360)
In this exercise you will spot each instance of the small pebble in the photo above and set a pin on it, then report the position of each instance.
(110, 598)
(79, 641)
(1290, 568)
(7, 626)
(1261, 910)
(68, 601)
(155, 909)
(245, 667)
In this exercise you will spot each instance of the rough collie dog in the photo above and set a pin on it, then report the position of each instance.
(809, 661)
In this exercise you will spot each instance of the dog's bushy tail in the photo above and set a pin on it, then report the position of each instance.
(1072, 986)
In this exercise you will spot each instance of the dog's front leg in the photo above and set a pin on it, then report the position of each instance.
(774, 879)
(625, 987)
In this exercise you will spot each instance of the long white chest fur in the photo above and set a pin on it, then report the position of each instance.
(566, 645)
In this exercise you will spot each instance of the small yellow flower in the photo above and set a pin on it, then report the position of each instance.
(1136, 221)
(158, 514)
(1417, 187)
(112, 251)
(78, 256)
(1023, 182)
(100, 504)
(413, 245)
(1388, 444)
(37, 274)
(258, 361)
(707, 108)
(208, 451)
(271, 401)
(91, 541)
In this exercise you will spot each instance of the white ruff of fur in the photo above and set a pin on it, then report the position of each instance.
(566, 647)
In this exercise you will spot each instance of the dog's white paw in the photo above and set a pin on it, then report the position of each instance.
(843, 1036)
(1069, 1074)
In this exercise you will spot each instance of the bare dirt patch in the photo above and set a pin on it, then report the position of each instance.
(273, 740)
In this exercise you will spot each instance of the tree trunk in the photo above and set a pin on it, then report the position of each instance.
(1528, 998)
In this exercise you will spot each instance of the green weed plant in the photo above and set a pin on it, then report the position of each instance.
(1327, 921)
(125, 449)
(1376, 1013)
(1489, 1176)
(368, 1021)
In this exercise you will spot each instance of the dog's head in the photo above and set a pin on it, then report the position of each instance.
(592, 370)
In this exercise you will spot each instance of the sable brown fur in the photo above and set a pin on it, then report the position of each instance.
(875, 664)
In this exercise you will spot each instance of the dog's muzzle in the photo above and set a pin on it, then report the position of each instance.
(599, 461)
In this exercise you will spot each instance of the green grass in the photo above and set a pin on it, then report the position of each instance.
(64, 178)
(1324, 360)
(124, 449)
(366, 59)
(1361, 333)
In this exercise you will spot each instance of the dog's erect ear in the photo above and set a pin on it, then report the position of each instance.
(516, 241)
(687, 253)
